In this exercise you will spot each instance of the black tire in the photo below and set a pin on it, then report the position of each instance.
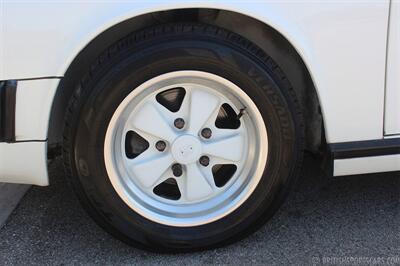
(146, 54)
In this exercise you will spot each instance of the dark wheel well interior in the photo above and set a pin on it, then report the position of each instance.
(267, 38)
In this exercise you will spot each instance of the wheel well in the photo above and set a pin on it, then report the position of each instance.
(267, 38)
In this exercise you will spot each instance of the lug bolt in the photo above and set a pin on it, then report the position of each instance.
(179, 123)
(204, 160)
(161, 145)
(206, 133)
(177, 169)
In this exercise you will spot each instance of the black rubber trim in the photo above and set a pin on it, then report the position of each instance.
(367, 148)
(8, 92)
(49, 77)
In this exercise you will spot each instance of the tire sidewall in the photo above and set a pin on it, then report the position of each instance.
(107, 89)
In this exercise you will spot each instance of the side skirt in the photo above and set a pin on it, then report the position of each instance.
(24, 163)
(362, 157)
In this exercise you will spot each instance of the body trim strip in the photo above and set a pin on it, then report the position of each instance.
(367, 148)
(8, 94)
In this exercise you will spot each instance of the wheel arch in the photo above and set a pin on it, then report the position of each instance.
(266, 37)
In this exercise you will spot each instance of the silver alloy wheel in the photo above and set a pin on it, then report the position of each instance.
(200, 200)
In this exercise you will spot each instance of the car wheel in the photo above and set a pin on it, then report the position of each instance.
(183, 137)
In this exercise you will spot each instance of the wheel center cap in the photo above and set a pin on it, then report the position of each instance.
(186, 149)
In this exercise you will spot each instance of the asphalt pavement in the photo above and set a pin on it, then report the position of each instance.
(347, 220)
(10, 195)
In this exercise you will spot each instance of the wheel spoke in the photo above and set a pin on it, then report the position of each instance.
(208, 175)
(197, 186)
(184, 110)
(214, 163)
(149, 171)
(203, 106)
(181, 181)
(150, 120)
(229, 148)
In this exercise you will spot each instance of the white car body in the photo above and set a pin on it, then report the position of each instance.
(351, 50)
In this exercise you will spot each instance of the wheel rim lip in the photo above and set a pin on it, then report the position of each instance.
(243, 191)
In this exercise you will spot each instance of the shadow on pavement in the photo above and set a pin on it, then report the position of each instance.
(347, 216)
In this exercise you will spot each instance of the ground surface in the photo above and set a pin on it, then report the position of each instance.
(343, 217)
(10, 195)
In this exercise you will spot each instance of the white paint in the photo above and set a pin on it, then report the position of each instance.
(342, 43)
(34, 101)
(24, 162)
(392, 136)
(392, 111)
(366, 165)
